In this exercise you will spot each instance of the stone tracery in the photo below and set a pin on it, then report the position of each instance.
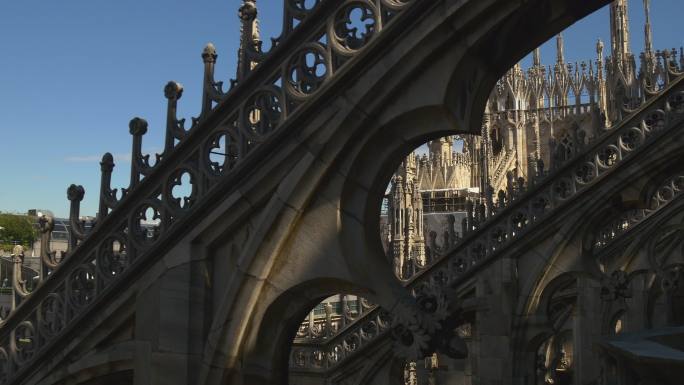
(552, 169)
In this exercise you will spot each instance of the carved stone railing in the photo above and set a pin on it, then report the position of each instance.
(323, 356)
(312, 356)
(331, 323)
(644, 238)
(518, 211)
(139, 222)
(665, 193)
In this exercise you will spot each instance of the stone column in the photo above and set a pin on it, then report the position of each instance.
(491, 349)
(586, 330)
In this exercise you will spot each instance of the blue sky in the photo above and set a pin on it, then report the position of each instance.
(74, 72)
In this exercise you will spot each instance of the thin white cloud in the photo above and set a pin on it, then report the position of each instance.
(122, 157)
(83, 159)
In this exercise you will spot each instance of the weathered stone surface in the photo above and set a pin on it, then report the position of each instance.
(216, 293)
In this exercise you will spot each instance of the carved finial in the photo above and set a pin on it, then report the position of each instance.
(248, 10)
(249, 38)
(174, 126)
(75, 193)
(138, 126)
(49, 260)
(107, 163)
(46, 224)
(209, 53)
(173, 90)
(107, 195)
(18, 259)
(18, 282)
(211, 89)
(18, 253)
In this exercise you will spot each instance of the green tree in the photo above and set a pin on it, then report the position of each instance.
(16, 229)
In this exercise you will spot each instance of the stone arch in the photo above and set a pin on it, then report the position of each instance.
(627, 205)
(348, 169)
(266, 359)
(375, 162)
(494, 52)
(663, 267)
(550, 288)
(395, 125)
(596, 220)
(535, 328)
(540, 276)
(563, 264)
(526, 356)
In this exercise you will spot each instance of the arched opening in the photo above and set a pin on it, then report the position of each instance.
(554, 365)
(342, 333)
(432, 198)
(554, 350)
(293, 332)
(404, 219)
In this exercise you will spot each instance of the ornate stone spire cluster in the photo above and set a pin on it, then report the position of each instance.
(619, 34)
(535, 119)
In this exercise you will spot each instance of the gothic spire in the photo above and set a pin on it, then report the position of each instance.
(560, 49)
(648, 35)
(599, 57)
(536, 57)
(599, 76)
(619, 32)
